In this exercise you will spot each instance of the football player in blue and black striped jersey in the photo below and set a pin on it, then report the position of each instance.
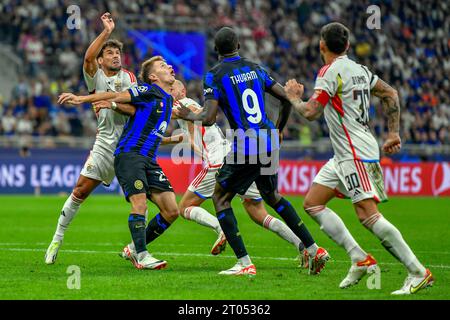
(238, 87)
(150, 107)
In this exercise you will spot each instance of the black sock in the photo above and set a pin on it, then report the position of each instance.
(155, 228)
(229, 226)
(293, 221)
(136, 224)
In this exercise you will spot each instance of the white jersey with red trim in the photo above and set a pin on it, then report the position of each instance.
(109, 123)
(209, 141)
(348, 85)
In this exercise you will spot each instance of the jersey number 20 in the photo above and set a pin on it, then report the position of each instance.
(254, 113)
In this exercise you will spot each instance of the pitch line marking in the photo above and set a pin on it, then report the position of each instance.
(121, 244)
(197, 255)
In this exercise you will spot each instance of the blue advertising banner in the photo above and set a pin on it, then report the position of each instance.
(44, 172)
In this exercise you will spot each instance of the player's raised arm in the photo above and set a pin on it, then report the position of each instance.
(391, 108)
(311, 109)
(118, 97)
(90, 65)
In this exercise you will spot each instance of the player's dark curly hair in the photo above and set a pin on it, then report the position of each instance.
(111, 43)
(335, 35)
(226, 41)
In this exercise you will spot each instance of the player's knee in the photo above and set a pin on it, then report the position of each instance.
(365, 209)
(140, 207)
(80, 192)
(170, 214)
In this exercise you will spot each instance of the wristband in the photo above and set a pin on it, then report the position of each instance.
(113, 105)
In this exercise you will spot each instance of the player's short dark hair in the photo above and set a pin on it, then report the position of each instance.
(147, 68)
(226, 41)
(335, 35)
(111, 43)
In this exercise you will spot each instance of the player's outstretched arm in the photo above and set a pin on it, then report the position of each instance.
(207, 116)
(118, 97)
(90, 58)
(311, 109)
(391, 108)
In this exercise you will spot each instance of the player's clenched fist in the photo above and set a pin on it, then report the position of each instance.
(108, 22)
(293, 90)
(392, 144)
(69, 98)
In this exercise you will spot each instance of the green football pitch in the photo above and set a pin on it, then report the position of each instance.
(100, 230)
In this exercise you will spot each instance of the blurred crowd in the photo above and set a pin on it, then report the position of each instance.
(409, 51)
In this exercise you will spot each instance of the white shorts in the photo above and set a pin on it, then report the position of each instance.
(99, 167)
(203, 185)
(354, 179)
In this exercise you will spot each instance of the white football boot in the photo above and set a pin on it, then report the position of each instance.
(358, 271)
(238, 269)
(219, 245)
(146, 261)
(414, 283)
(52, 252)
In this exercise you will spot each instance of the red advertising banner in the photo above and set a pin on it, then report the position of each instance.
(421, 179)
(295, 177)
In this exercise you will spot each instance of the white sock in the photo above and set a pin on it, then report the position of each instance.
(203, 217)
(393, 241)
(334, 227)
(69, 210)
(245, 261)
(282, 230)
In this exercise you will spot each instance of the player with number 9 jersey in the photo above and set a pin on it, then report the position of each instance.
(239, 86)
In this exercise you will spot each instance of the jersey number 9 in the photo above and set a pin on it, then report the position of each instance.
(254, 113)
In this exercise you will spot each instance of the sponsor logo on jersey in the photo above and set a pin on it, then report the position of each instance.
(118, 85)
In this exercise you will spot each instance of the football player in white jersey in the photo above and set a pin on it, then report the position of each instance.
(342, 93)
(103, 72)
(211, 145)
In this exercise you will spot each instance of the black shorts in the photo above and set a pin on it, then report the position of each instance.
(139, 174)
(239, 177)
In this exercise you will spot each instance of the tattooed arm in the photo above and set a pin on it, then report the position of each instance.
(390, 102)
(391, 108)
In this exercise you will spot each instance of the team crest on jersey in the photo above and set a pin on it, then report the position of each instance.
(142, 88)
(118, 85)
(138, 184)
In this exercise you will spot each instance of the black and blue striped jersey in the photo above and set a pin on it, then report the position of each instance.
(239, 86)
(144, 130)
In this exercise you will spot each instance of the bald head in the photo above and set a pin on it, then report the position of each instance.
(226, 41)
(178, 90)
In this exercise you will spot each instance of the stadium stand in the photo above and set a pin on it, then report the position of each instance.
(283, 35)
